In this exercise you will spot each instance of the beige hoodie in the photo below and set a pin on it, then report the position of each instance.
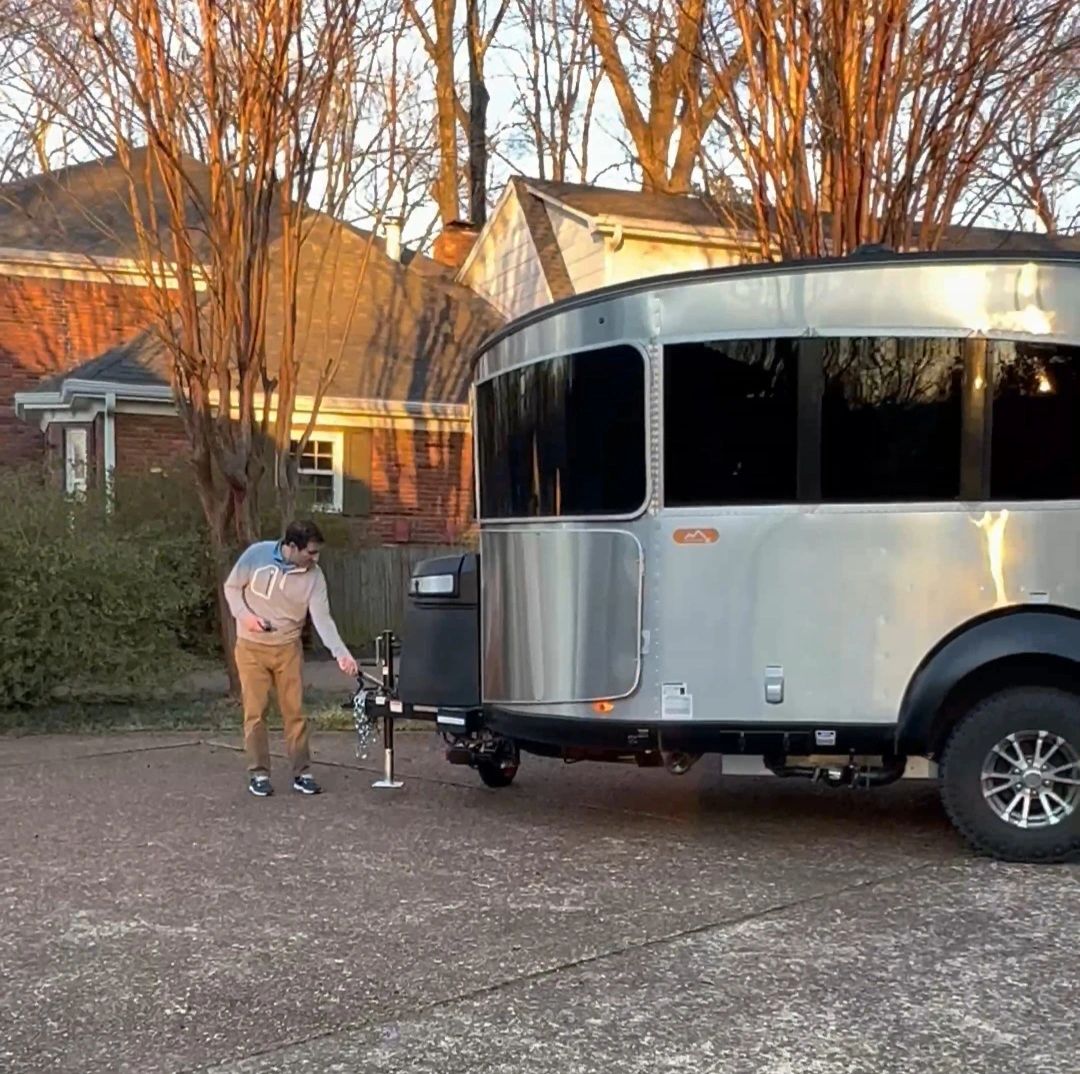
(265, 584)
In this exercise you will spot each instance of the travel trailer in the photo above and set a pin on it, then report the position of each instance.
(821, 519)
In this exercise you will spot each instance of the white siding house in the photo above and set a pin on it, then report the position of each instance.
(546, 241)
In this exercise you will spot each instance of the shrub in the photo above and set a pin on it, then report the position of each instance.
(96, 600)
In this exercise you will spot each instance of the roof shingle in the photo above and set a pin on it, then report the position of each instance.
(401, 331)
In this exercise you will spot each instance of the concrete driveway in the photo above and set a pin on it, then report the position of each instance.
(156, 917)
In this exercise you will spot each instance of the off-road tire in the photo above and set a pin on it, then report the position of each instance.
(1010, 711)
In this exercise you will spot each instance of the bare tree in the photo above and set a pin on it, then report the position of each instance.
(652, 51)
(28, 134)
(871, 120)
(479, 35)
(254, 123)
(401, 168)
(1033, 170)
(557, 75)
(437, 25)
(50, 113)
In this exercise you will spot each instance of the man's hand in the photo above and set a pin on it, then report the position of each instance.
(347, 663)
(251, 623)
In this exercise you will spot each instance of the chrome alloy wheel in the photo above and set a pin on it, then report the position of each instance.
(1031, 779)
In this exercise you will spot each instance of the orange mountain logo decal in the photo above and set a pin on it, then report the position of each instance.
(696, 536)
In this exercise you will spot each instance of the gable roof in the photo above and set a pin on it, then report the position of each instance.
(687, 211)
(630, 204)
(548, 251)
(85, 209)
(397, 334)
(978, 239)
(402, 331)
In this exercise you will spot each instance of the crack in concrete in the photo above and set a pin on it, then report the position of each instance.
(470, 995)
(103, 753)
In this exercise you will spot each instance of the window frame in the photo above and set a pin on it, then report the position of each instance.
(975, 423)
(795, 337)
(76, 454)
(992, 363)
(336, 438)
(647, 422)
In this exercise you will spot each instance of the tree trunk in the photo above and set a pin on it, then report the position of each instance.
(230, 522)
(226, 623)
(679, 103)
(478, 105)
(446, 103)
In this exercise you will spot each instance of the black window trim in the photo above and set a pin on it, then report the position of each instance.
(519, 520)
(990, 386)
(975, 407)
(796, 334)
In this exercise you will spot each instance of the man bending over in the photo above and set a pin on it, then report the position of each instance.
(270, 591)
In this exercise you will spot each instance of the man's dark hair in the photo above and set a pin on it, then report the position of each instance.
(301, 534)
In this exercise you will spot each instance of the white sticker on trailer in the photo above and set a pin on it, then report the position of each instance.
(676, 702)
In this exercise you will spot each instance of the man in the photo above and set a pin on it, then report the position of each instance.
(270, 591)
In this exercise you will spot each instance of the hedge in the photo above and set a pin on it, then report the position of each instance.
(100, 601)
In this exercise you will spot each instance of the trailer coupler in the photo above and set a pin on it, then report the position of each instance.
(495, 757)
(474, 748)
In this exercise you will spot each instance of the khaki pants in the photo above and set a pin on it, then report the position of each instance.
(282, 667)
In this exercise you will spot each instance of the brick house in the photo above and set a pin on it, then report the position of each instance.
(84, 379)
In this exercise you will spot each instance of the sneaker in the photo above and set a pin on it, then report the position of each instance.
(306, 784)
(260, 786)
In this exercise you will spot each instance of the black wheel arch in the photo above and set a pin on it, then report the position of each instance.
(1009, 647)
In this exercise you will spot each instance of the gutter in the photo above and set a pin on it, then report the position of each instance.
(620, 228)
(131, 393)
(50, 264)
(27, 401)
(356, 406)
(396, 408)
(74, 389)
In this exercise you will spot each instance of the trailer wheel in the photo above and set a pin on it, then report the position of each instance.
(1010, 779)
(500, 770)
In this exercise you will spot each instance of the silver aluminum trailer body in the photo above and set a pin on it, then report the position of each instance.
(826, 513)
(777, 614)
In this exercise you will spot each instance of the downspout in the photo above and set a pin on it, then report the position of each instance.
(109, 434)
(612, 243)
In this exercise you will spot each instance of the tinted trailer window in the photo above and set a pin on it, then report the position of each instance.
(564, 437)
